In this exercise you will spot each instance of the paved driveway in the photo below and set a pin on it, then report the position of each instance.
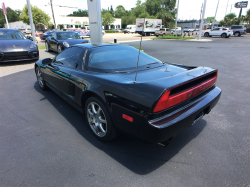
(46, 142)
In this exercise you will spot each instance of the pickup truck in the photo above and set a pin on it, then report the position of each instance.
(161, 32)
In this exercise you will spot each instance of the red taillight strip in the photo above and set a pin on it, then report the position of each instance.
(166, 102)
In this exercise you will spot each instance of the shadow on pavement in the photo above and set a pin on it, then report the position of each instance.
(15, 63)
(138, 156)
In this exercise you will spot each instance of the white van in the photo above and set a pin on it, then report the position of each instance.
(130, 29)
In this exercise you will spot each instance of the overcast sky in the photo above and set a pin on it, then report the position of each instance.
(187, 9)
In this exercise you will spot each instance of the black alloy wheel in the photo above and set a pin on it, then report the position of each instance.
(206, 34)
(99, 120)
(224, 35)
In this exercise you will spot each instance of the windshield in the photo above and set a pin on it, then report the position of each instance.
(118, 58)
(68, 35)
(11, 35)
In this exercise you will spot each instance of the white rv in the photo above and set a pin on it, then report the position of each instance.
(130, 29)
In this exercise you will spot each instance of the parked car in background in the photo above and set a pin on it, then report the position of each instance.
(99, 81)
(188, 29)
(161, 32)
(238, 30)
(178, 30)
(27, 31)
(219, 31)
(59, 41)
(130, 29)
(45, 35)
(16, 47)
(37, 33)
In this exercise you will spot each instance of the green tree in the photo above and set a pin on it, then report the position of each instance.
(12, 15)
(80, 13)
(128, 19)
(112, 11)
(247, 18)
(107, 19)
(222, 23)
(230, 19)
(142, 15)
(120, 11)
(39, 16)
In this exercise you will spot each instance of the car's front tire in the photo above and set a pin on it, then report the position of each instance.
(206, 34)
(41, 82)
(59, 49)
(47, 47)
(99, 120)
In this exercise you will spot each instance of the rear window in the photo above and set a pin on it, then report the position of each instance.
(117, 58)
(236, 27)
(162, 29)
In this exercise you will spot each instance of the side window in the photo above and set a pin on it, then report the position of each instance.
(224, 29)
(216, 29)
(68, 57)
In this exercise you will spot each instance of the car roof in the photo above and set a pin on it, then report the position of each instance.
(89, 45)
(9, 30)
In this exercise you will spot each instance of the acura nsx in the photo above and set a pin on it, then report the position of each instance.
(100, 82)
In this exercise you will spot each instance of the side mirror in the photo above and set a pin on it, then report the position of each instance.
(46, 61)
(29, 38)
(82, 37)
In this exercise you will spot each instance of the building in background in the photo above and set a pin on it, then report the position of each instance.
(66, 22)
(18, 25)
(195, 24)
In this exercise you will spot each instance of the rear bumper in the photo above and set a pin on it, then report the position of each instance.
(163, 128)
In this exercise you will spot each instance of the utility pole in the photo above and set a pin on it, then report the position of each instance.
(226, 8)
(203, 14)
(239, 16)
(215, 14)
(53, 14)
(176, 17)
(31, 21)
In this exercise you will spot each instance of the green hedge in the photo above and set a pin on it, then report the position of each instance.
(109, 31)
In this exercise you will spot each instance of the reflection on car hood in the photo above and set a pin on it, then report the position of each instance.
(14, 45)
(75, 41)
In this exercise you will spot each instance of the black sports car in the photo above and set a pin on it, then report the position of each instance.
(100, 82)
(59, 41)
(14, 46)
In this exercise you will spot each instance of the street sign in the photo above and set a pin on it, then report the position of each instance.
(4, 9)
(242, 4)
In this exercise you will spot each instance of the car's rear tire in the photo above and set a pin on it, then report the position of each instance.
(41, 82)
(47, 47)
(237, 34)
(99, 120)
(157, 35)
(224, 35)
(206, 34)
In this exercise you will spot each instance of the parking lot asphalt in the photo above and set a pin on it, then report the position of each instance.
(46, 142)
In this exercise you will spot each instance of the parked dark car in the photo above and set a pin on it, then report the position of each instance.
(14, 46)
(60, 41)
(100, 82)
(238, 30)
(45, 35)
